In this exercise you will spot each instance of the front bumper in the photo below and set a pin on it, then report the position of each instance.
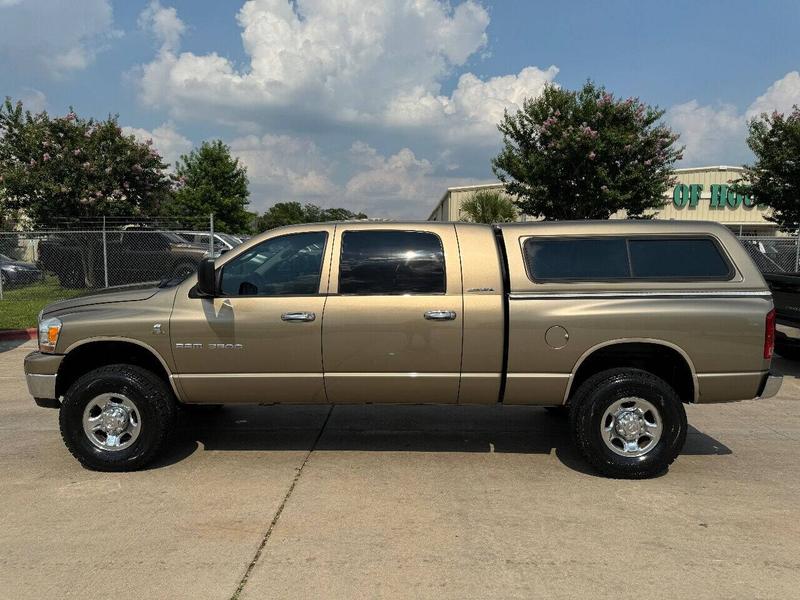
(22, 277)
(41, 371)
(771, 386)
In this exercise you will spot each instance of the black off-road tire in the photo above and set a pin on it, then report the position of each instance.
(153, 399)
(600, 391)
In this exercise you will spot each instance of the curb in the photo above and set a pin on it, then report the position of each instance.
(18, 334)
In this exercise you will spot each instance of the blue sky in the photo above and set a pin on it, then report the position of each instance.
(379, 106)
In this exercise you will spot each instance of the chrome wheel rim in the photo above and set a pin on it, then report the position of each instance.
(631, 427)
(111, 422)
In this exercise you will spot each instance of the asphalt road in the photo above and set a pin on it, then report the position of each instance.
(400, 502)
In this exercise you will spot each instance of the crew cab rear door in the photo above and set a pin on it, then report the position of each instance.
(392, 328)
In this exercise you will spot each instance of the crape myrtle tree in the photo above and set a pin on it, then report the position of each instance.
(586, 155)
(209, 180)
(488, 206)
(774, 178)
(58, 172)
(292, 213)
(62, 170)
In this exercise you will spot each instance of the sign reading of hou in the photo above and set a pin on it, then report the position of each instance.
(722, 197)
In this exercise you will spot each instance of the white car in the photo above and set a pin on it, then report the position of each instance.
(222, 241)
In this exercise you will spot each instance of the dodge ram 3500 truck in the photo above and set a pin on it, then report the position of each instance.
(620, 321)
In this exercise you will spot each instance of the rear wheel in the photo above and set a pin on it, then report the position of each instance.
(628, 423)
(117, 418)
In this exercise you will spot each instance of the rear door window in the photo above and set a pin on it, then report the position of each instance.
(391, 262)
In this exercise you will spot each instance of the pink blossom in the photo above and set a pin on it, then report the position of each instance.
(76, 152)
(98, 194)
(33, 163)
(592, 155)
(137, 168)
(87, 134)
(45, 157)
(647, 163)
(86, 165)
(45, 144)
(149, 142)
(108, 170)
(71, 116)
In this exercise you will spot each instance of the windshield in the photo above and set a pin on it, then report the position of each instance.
(233, 241)
(173, 237)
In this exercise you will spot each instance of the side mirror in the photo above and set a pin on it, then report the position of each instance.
(207, 278)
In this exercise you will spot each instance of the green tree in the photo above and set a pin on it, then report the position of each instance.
(57, 170)
(585, 155)
(209, 180)
(488, 206)
(292, 213)
(774, 178)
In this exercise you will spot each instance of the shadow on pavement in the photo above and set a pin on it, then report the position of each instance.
(519, 430)
(786, 367)
(6, 345)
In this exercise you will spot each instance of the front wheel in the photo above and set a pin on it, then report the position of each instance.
(117, 418)
(628, 423)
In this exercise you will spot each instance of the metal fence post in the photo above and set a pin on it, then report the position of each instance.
(105, 253)
(797, 252)
(211, 236)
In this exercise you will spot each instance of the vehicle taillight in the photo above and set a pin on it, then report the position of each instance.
(769, 334)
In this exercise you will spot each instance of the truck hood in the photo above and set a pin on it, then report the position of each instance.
(121, 293)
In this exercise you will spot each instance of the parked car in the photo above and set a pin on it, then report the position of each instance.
(222, 241)
(133, 255)
(620, 321)
(17, 272)
(786, 293)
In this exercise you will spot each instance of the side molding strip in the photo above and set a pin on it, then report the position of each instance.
(642, 294)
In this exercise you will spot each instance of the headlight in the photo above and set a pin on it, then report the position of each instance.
(49, 330)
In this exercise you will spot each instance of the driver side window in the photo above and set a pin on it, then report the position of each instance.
(289, 265)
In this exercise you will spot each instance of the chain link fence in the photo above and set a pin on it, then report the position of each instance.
(774, 254)
(39, 267)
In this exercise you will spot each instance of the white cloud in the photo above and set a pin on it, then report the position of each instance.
(781, 96)
(717, 134)
(398, 186)
(709, 133)
(475, 106)
(343, 63)
(164, 23)
(33, 100)
(281, 167)
(165, 138)
(54, 36)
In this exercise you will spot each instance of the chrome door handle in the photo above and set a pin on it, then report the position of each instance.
(440, 315)
(298, 316)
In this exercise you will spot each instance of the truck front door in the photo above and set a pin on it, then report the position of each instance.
(260, 342)
(392, 329)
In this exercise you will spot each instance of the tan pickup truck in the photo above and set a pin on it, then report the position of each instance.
(620, 322)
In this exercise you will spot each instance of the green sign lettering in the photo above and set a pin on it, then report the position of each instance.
(680, 195)
(722, 197)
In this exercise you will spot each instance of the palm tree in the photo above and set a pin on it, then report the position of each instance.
(488, 206)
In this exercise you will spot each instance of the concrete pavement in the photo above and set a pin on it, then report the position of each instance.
(430, 502)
